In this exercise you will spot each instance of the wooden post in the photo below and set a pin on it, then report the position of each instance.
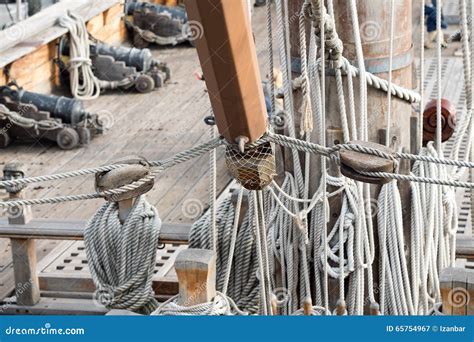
(196, 270)
(374, 21)
(228, 59)
(23, 250)
(456, 286)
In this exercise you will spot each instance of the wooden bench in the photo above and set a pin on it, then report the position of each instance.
(44, 229)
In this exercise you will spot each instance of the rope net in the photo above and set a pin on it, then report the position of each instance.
(254, 168)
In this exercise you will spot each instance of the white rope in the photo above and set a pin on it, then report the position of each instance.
(84, 84)
(122, 256)
(213, 188)
(221, 305)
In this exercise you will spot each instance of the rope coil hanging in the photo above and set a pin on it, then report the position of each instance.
(84, 84)
(122, 256)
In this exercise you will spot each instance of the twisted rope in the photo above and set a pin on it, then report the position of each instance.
(84, 84)
(122, 256)
(221, 305)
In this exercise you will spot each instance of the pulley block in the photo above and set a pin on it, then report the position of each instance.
(355, 164)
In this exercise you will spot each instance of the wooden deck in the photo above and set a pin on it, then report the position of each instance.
(154, 125)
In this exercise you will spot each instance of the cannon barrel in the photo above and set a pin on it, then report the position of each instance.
(68, 110)
(139, 58)
(175, 12)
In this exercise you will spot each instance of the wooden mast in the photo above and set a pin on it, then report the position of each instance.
(228, 57)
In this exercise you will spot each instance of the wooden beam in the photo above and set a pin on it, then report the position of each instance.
(54, 306)
(50, 229)
(227, 53)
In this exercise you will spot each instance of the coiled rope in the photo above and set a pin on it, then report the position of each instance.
(221, 305)
(122, 256)
(84, 84)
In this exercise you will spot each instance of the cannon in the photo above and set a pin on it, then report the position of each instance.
(26, 115)
(119, 67)
(162, 25)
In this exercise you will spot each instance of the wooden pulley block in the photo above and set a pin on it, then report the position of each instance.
(254, 168)
(448, 120)
(354, 164)
(135, 169)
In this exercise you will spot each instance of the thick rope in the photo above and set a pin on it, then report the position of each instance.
(84, 84)
(221, 305)
(122, 256)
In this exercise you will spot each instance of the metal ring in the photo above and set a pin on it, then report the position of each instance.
(210, 120)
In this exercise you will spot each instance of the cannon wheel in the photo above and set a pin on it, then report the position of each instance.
(67, 138)
(139, 42)
(34, 6)
(144, 83)
(5, 139)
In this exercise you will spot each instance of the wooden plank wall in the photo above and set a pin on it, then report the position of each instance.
(167, 2)
(37, 70)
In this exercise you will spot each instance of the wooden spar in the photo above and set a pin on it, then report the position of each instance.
(227, 53)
